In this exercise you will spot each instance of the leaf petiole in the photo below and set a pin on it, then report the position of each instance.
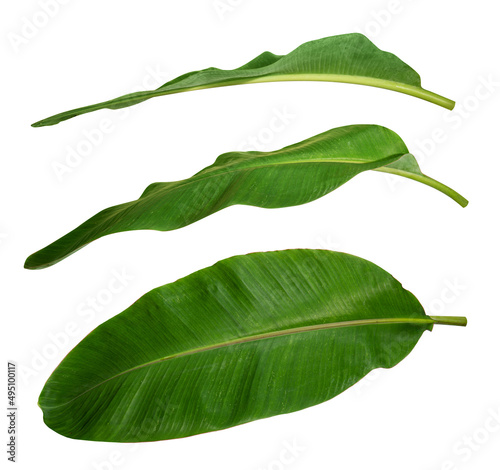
(428, 181)
(453, 321)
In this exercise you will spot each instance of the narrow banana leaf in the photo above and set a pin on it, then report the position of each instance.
(349, 58)
(291, 176)
(251, 337)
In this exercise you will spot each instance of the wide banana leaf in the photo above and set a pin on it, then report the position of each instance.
(251, 337)
(349, 58)
(293, 175)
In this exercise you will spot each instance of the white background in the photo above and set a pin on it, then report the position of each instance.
(434, 410)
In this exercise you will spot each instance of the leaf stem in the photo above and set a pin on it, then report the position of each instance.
(453, 321)
(429, 182)
(416, 91)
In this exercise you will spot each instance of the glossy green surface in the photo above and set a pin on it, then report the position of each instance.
(251, 337)
(290, 176)
(348, 58)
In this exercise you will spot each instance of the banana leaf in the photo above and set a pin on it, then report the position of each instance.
(348, 58)
(294, 175)
(251, 337)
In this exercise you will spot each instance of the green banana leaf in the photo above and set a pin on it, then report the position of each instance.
(291, 176)
(348, 58)
(251, 337)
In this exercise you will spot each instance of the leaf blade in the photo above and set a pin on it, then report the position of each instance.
(349, 58)
(185, 386)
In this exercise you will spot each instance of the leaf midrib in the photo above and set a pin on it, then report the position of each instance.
(402, 87)
(120, 102)
(296, 77)
(206, 175)
(259, 337)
